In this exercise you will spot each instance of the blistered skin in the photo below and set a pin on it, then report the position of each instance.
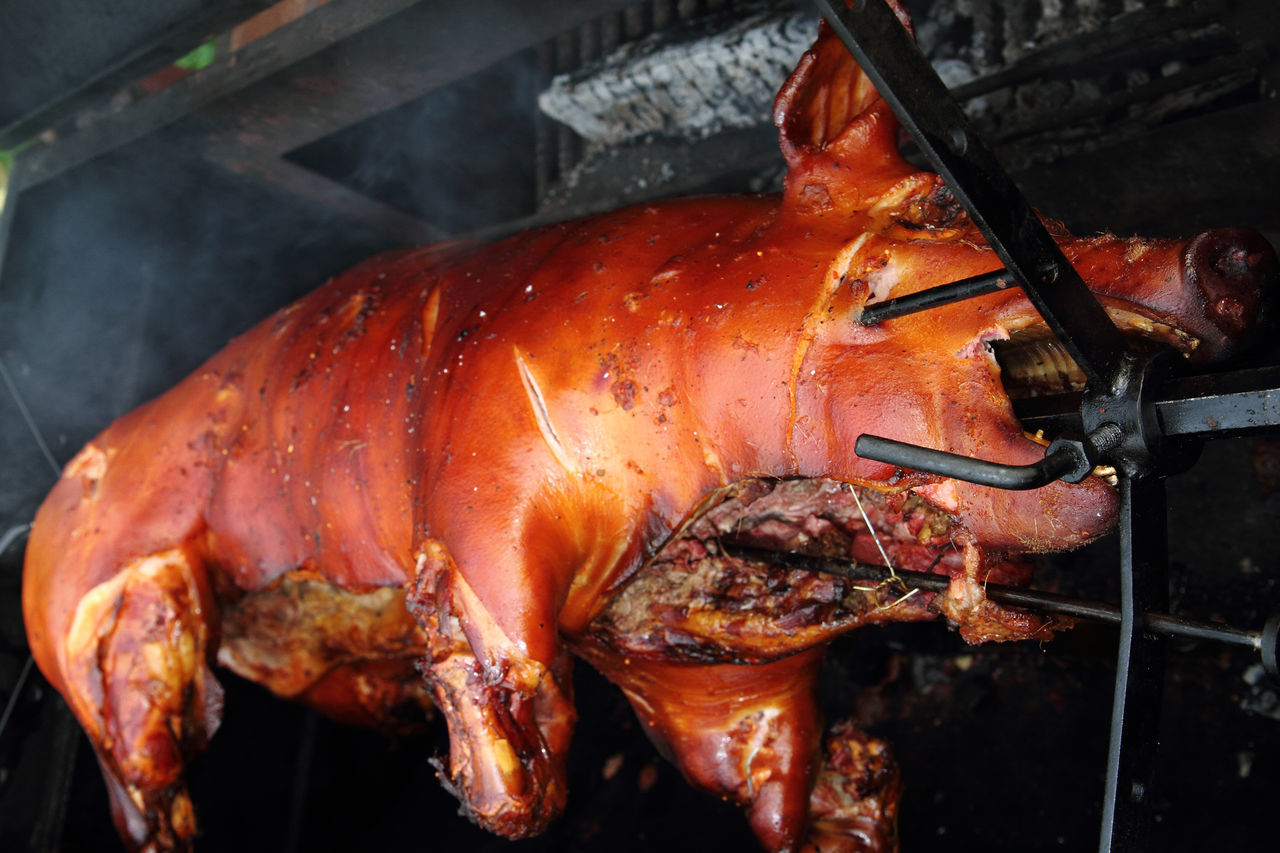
(455, 460)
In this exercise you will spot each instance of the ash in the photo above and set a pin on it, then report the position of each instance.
(713, 79)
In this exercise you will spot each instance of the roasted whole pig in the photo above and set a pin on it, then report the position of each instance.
(449, 471)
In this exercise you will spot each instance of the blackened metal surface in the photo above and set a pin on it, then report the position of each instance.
(66, 53)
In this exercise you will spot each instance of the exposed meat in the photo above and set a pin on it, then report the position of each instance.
(304, 638)
(692, 602)
(450, 470)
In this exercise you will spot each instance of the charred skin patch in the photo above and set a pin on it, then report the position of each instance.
(693, 602)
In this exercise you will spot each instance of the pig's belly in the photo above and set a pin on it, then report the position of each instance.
(348, 654)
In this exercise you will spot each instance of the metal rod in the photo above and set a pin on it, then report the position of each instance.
(1135, 709)
(18, 687)
(903, 77)
(935, 297)
(1219, 405)
(1031, 599)
(29, 420)
(1053, 466)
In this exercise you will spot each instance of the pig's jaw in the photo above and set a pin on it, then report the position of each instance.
(1032, 361)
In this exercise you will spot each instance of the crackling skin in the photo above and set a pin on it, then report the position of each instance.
(451, 470)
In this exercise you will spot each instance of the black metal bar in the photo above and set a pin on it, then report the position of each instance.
(1220, 405)
(1067, 458)
(14, 695)
(8, 208)
(321, 192)
(1015, 477)
(934, 297)
(157, 52)
(61, 735)
(315, 32)
(423, 48)
(1139, 665)
(301, 782)
(1053, 414)
(904, 78)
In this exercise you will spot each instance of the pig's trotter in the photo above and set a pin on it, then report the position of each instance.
(140, 684)
(854, 803)
(510, 717)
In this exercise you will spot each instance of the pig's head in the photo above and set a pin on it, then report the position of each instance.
(794, 379)
(944, 378)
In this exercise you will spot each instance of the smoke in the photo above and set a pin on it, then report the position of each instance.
(122, 276)
(460, 158)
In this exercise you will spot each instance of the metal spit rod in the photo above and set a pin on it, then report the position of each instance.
(1263, 641)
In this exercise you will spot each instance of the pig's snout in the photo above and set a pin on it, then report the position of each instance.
(1232, 273)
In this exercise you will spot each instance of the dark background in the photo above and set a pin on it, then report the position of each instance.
(150, 225)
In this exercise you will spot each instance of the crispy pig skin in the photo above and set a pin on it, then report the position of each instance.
(439, 475)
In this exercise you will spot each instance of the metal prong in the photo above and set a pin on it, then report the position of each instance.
(934, 297)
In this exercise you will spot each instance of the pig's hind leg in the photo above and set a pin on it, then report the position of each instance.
(753, 734)
(137, 676)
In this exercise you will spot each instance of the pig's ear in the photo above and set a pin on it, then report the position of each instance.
(834, 128)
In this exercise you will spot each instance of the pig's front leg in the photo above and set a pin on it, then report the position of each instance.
(753, 733)
(510, 715)
(135, 665)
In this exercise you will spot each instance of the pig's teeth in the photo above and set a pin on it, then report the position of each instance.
(1038, 367)
(1033, 363)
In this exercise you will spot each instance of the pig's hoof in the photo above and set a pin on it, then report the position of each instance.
(854, 803)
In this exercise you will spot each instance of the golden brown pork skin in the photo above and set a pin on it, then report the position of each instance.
(479, 460)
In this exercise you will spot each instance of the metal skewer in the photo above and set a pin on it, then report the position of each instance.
(1263, 641)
